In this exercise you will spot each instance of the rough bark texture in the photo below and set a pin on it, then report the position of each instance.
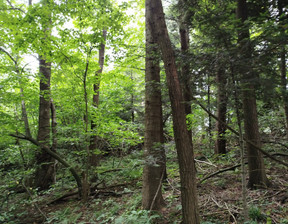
(154, 153)
(183, 144)
(94, 158)
(257, 175)
(45, 171)
(220, 147)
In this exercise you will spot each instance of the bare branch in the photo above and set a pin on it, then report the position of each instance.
(236, 133)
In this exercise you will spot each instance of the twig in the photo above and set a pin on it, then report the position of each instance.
(159, 186)
(200, 161)
(14, 8)
(230, 213)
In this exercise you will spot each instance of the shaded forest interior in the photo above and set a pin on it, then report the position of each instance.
(143, 111)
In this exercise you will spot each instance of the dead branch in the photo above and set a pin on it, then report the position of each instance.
(221, 171)
(236, 133)
(63, 197)
(274, 142)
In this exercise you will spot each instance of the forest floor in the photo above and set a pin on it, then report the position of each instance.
(118, 200)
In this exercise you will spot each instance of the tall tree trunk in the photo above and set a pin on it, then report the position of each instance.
(94, 158)
(283, 70)
(155, 19)
(154, 152)
(257, 174)
(45, 170)
(185, 69)
(220, 147)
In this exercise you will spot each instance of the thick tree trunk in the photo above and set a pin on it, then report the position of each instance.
(94, 158)
(45, 170)
(154, 153)
(257, 175)
(220, 147)
(183, 144)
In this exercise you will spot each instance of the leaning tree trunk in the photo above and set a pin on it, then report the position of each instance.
(220, 147)
(183, 144)
(94, 141)
(257, 174)
(154, 152)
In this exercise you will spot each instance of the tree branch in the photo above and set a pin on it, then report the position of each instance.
(236, 133)
(8, 54)
(55, 156)
(14, 8)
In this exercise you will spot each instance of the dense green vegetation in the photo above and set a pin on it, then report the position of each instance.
(67, 36)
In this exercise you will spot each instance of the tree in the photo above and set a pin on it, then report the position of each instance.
(183, 143)
(257, 174)
(154, 152)
(93, 141)
(221, 80)
(185, 16)
(45, 170)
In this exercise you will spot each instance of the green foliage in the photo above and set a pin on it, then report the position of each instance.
(140, 216)
(64, 216)
(255, 214)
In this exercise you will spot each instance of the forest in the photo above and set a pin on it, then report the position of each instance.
(143, 111)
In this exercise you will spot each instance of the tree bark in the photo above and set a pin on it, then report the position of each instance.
(94, 158)
(154, 152)
(45, 170)
(185, 69)
(221, 81)
(183, 144)
(256, 168)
